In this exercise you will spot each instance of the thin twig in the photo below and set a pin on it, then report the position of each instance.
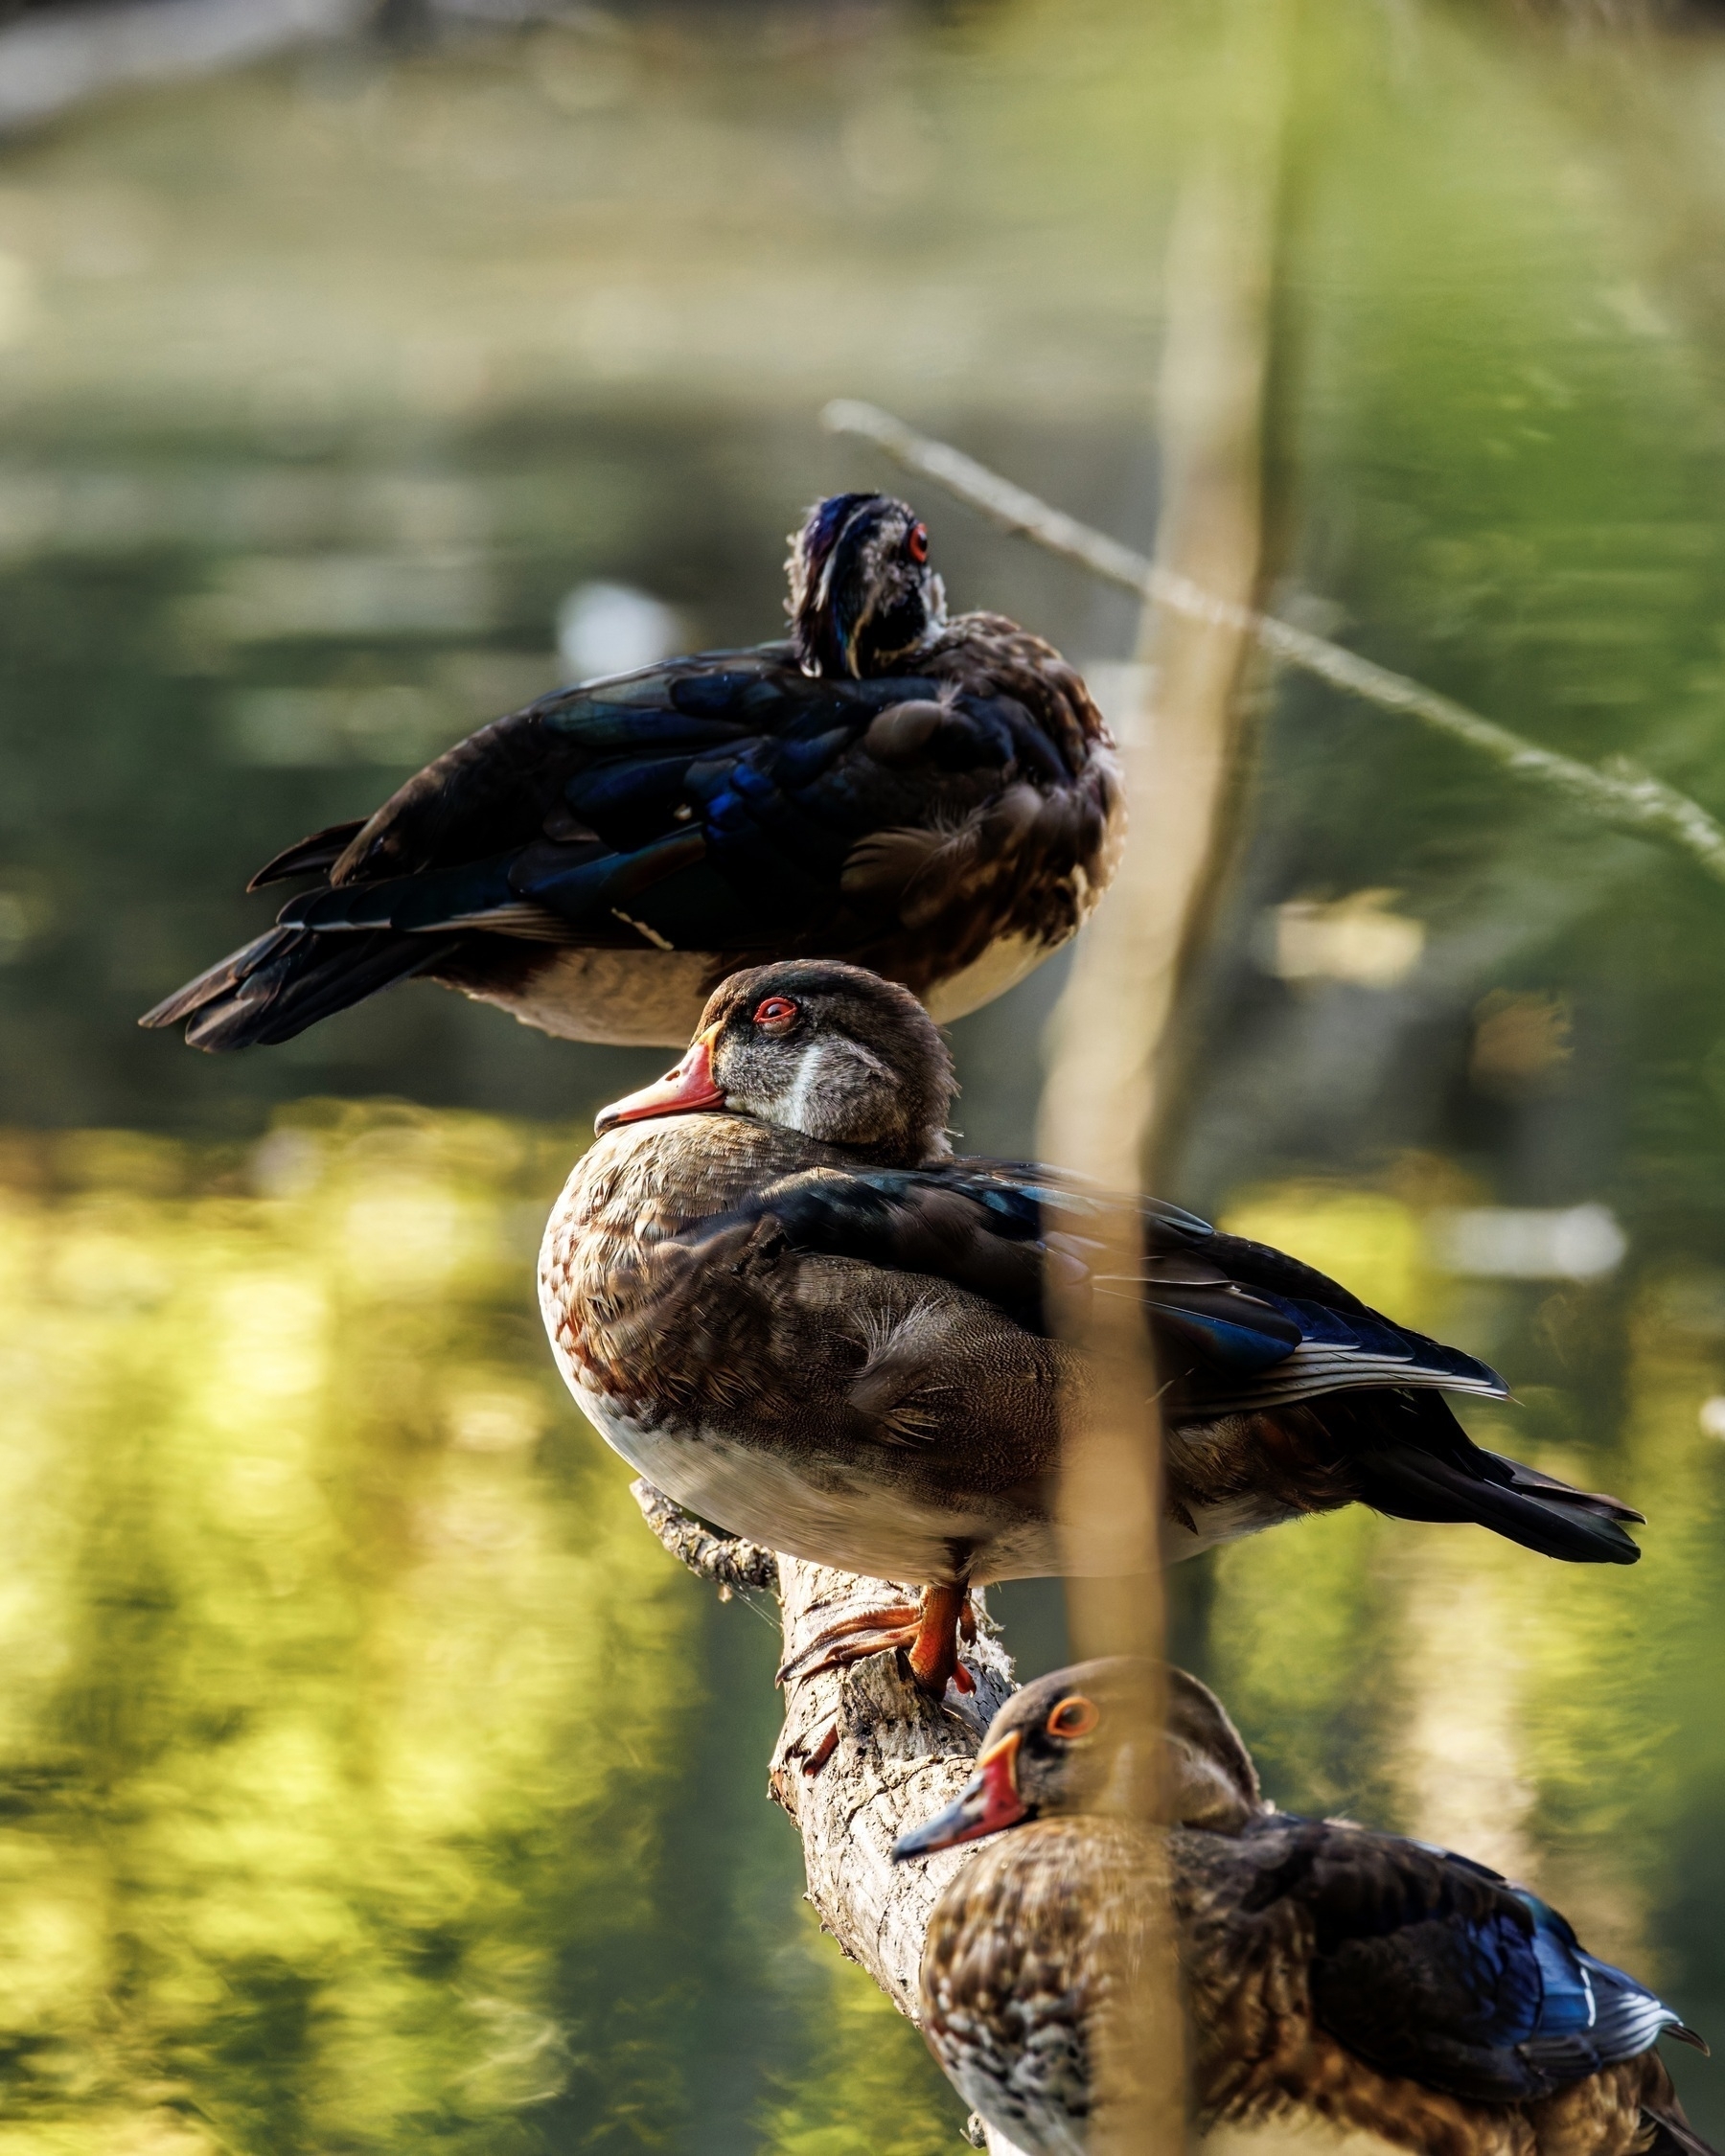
(1619, 793)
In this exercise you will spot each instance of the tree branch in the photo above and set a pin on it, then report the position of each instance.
(727, 1560)
(863, 1755)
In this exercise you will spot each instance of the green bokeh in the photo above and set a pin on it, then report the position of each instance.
(369, 1780)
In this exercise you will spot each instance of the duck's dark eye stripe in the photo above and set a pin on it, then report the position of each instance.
(1074, 1717)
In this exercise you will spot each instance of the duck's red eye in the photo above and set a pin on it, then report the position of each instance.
(917, 544)
(776, 1014)
(1074, 1717)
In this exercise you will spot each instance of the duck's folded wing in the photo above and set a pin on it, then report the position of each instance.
(1423, 1965)
(1428, 1966)
(1237, 1330)
(720, 805)
(1237, 1327)
(710, 802)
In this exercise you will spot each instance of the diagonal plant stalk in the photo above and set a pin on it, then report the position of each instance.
(1617, 793)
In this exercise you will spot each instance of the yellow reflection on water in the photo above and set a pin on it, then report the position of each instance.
(317, 1682)
(369, 1777)
(860, 2092)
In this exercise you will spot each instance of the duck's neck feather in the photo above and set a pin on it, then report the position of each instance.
(680, 1168)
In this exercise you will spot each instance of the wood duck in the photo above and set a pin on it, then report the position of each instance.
(782, 1300)
(1373, 1983)
(937, 800)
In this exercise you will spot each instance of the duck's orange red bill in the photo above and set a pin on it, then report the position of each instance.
(987, 1803)
(684, 1091)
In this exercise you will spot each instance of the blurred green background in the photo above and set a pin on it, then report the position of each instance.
(369, 1780)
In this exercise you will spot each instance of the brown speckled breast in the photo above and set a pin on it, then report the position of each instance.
(1020, 1959)
(610, 1290)
(881, 1421)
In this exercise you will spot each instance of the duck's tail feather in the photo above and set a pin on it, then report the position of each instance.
(1547, 1487)
(1672, 2133)
(288, 979)
(308, 856)
(1418, 1463)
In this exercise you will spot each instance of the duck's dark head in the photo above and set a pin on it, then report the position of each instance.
(829, 1050)
(864, 600)
(1075, 1741)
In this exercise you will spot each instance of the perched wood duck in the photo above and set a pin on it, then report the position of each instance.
(782, 1300)
(937, 800)
(1377, 1984)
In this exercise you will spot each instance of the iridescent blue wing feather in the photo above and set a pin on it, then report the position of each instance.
(1429, 1965)
(699, 799)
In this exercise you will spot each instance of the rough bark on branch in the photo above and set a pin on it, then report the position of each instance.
(727, 1560)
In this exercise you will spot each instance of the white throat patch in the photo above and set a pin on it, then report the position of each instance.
(799, 1106)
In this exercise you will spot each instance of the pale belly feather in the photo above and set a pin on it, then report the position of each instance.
(625, 999)
(851, 1521)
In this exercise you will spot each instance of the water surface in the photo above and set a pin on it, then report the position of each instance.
(371, 1779)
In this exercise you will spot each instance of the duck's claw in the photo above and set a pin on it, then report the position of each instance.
(854, 1639)
(927, 1631)
(822, 1750)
